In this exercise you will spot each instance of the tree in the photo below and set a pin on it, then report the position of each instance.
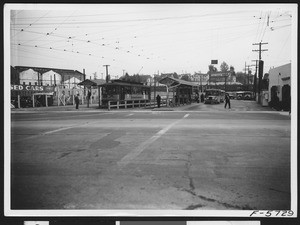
(186, 77)
(126, 77)
(231, 69)
(224, 67)
(175, 75)
(212, 68)
(241, 77)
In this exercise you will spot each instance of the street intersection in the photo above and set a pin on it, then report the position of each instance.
(196, 157)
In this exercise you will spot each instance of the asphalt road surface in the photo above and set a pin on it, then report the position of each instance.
(202, 157)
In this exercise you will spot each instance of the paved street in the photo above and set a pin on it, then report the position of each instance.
(194, 157)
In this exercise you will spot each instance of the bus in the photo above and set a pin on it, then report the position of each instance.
(118, 90)
(214, 96)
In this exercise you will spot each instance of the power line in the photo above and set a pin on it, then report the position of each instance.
(137, 20)
(30, 24)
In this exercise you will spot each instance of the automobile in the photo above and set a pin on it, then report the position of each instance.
(240, 95)
(248, 96)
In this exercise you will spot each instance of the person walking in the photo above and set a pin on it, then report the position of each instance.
(176, 100)
(158, 98)
(227, 100)
(77, 101)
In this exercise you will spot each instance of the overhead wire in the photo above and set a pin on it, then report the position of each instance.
(123, 44)
(30, 24)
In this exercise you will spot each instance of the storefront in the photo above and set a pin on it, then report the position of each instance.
(23, 96)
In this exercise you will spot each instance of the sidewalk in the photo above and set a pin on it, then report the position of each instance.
(95, 107)
(237, 106)
(60, 108)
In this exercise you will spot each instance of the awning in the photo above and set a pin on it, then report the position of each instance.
(173, 82)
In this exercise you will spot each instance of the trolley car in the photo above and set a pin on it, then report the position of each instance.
(118, 90)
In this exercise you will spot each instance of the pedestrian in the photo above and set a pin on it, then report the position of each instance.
(77, 101)
(202, 97)
(227, 100)
(158, 98)
(88, 98)
(176, 100)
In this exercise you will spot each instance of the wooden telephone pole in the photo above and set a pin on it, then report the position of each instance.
(260, 67)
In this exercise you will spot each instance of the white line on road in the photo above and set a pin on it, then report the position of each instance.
(138, 150)
(63, 128)
(50, 132)
(129, 115)
(186, 115)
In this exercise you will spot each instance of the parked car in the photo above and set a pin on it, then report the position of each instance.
(240, 95)
(248, 95)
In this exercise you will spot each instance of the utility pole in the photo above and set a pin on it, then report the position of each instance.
(106, 73)
(260, 67)
(260, 50)
(255, 78)
(246, 73)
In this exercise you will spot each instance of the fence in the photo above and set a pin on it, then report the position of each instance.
(132, 103)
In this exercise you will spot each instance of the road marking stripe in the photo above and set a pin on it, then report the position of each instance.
(49, 132)
(60, 129)
(129, 115)
(186, 115)
(57, 130)
(138, 150)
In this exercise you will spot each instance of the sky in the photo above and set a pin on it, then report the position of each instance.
(150, 38)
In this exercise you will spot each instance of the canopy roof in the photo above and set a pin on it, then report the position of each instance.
(123, 83)
(172, 82)
(89, 83)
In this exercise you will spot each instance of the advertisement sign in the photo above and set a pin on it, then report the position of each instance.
(31, 88)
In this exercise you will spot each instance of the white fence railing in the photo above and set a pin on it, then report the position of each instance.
(135, 103)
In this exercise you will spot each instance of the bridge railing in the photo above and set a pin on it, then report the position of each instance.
(135, 103)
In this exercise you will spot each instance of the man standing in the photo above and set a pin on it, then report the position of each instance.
(88, 98)
(77, 101)
(227, 100)
(158, 101)
(202, 97)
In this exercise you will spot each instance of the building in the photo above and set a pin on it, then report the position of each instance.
(47, 76)
(280, 87)
(37, 86)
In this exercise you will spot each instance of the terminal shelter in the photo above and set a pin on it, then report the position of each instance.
(182, 92)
